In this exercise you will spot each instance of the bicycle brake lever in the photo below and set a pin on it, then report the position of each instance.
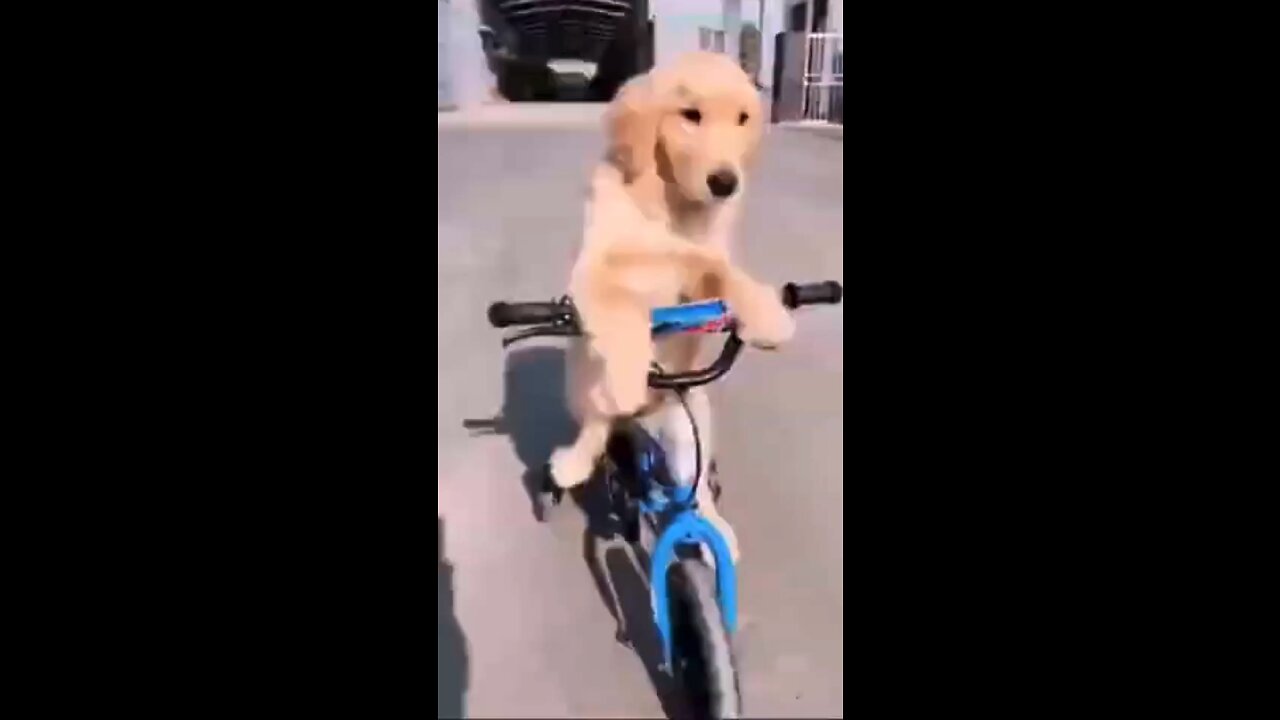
(539, 331)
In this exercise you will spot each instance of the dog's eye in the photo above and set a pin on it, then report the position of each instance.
(742, 118)
(692, 115)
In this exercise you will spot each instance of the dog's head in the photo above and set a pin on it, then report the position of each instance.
(696, 123)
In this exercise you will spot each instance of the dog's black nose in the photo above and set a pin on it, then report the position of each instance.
(722, 183)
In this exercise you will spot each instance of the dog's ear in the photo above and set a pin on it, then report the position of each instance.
(631, 125)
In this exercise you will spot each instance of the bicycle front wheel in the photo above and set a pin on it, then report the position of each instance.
(701, 655)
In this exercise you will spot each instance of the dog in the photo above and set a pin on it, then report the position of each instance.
(659, 217)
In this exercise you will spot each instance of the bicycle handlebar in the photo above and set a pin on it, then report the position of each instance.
(694, 378)
(559, 319)
(503, 314)
(793, 295)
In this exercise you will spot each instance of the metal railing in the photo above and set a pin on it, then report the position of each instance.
(822, 83)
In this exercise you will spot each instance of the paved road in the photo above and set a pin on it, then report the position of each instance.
(523, 627)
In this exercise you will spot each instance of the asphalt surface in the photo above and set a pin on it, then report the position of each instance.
(524, 625)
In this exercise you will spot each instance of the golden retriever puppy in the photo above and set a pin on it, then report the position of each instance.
(658, 222)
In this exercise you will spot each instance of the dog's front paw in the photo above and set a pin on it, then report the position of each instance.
(765, 322)
(569, 469)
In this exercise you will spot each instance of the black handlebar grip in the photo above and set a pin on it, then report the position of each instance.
(502, 314)
(793, 295)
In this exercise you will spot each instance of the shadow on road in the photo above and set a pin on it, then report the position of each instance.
(621, 577)
(536, 419)
(534, 413)
(451, 644)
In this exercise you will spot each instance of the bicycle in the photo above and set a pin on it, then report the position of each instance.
(695, 605)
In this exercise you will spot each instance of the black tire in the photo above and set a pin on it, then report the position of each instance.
(701, 655)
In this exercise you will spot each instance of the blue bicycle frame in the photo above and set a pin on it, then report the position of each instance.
(648, 487)
(675, 505)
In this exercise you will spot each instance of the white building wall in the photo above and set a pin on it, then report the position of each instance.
(731, 21)
(676, 23)
(462, 77)
(775, 13)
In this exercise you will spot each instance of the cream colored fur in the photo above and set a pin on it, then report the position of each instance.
(655, 235)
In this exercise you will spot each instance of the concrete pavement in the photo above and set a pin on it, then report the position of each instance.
(528, 116)
(524, 627)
